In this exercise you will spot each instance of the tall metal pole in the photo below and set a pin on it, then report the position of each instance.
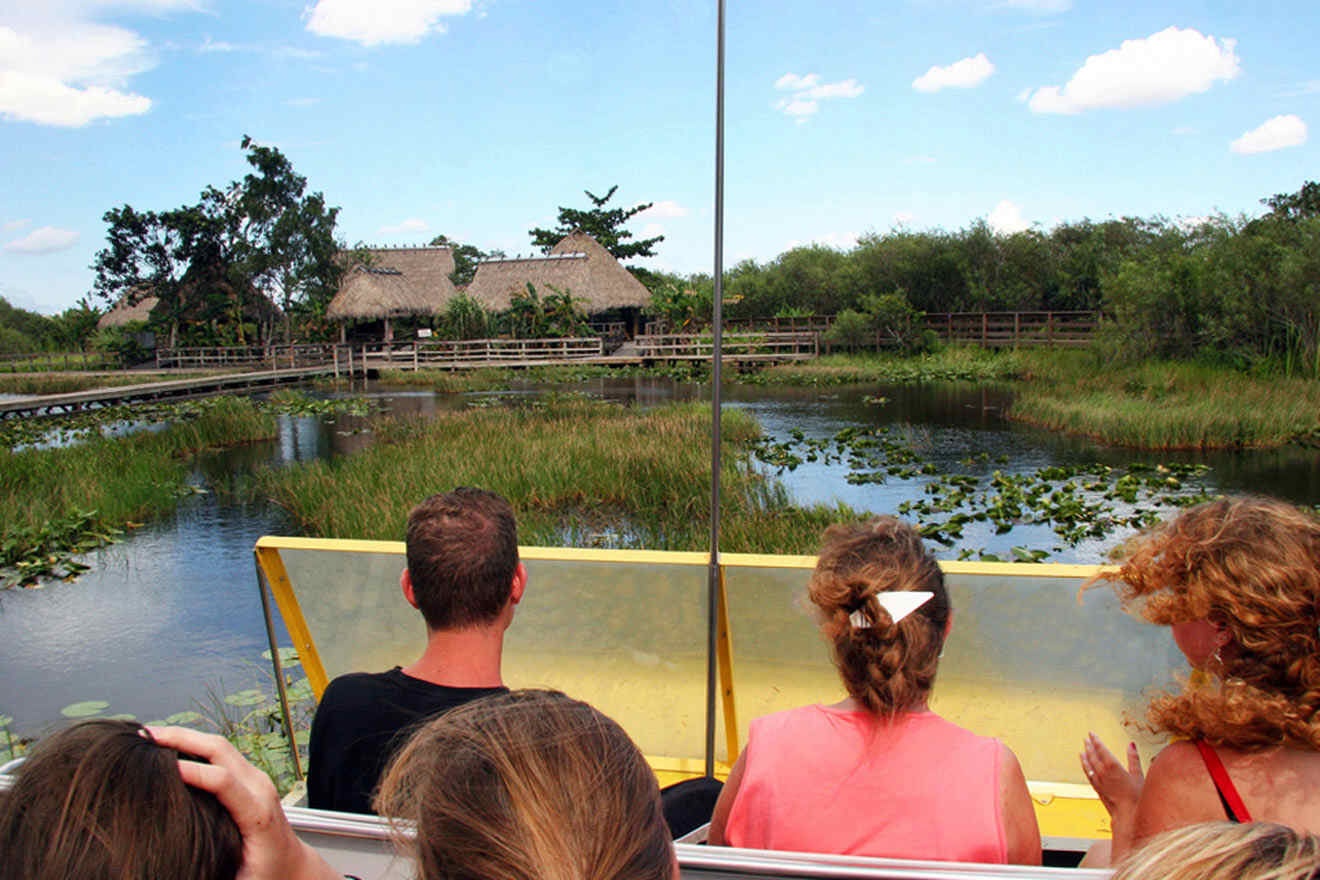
(717, 325)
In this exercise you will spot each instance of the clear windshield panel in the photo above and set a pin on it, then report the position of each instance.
(628, 638)
(354, 609)
(1025, 661)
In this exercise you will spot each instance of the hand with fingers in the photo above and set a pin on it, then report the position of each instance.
(1119, 788)
(271, 851)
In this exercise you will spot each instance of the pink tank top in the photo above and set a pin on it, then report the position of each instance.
(818, 779)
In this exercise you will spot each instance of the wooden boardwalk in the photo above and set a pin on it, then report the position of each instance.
(54, 404)
(337, 361)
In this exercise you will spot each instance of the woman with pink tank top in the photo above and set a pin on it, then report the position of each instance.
(878, 774)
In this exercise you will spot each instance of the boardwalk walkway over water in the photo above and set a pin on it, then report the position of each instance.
(316, 361)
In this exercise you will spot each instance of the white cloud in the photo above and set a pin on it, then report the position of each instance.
(1158, 69)
(808, 92)
(663, 209)
(44, 240)
(1275, 134)
(373, 22)
(60, 66)
(411, 226)
(963, 74)
(210, 45)
(1006, 219)
(791, 82)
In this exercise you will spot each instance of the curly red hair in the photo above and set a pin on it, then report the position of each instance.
(1251, 565)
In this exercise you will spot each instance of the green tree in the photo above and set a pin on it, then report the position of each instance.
(465, 318)
(208, 262)
(851, 330)
(606, 225)
(466, 258)
(1294, 206)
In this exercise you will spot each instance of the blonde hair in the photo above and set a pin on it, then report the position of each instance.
(887, 667)
(529, 784)
(1225, 851)
(1251, 565)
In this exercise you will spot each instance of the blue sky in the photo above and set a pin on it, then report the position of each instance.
(476, 118)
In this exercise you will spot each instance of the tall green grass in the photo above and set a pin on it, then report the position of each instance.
(962, 363)
(1166, 405)
(45, 383)
(566, 469)
(55, 502)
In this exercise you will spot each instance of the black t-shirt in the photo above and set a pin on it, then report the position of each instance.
(361, 719)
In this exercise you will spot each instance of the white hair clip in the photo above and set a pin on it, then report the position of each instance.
(899, 604)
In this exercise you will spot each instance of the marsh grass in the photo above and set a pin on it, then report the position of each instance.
(948, 364)
(556, 464)
(62, 501)
(64, 383)
(1165, 405)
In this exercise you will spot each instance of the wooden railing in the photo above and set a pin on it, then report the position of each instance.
(989, 329)
(57, 361)
(741, 346)
(481, 351)
(271, 357)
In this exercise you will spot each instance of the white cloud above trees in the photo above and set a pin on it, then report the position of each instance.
(1164, 67)
(808, 91)
(1007, 219)
(43, 240)
(378, 22)
(411, 226)
(1277, 133)
(964, 74)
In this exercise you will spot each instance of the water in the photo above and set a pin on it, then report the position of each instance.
(172, 613)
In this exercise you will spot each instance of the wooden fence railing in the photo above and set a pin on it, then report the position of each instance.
(57, 361)
(482, 351)
(742, 346)
(989, 329)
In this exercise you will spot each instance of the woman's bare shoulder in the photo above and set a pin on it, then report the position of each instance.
(1177, 792)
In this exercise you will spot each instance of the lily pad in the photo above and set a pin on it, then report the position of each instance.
(249, 697)
(85, 709)
(288, 656)
(6, 720)
(184, 718)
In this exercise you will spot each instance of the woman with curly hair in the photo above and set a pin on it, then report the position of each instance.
(878, 774)
(1237, 581)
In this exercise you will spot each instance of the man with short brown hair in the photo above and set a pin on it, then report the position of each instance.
(464, 577)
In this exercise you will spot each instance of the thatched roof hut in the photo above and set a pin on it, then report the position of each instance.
(392, 283)
(577, 265)
(126, 313)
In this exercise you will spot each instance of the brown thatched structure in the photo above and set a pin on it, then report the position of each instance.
(124, 313)
(393, 282)
(577, 265)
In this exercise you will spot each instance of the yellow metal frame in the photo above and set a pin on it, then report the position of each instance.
(1064, 810)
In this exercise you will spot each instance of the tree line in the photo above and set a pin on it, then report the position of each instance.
(1234, 290)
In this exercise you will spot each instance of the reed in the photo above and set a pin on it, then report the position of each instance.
(955, 363)
(1166, 405)
(64, 383)
(566, 469)
(62, 501)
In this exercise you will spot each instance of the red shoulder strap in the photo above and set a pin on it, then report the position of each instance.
(1228, 795)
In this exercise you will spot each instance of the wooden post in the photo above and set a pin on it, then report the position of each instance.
(985, 325)
(1050, 332)
(336, 357)
(1016, 329)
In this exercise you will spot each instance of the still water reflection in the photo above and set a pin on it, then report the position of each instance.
(173, 612)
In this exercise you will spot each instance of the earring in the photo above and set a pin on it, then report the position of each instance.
(1218, 658)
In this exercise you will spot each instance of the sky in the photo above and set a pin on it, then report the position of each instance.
(477, 118)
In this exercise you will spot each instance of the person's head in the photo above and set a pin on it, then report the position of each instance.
(887, 667)
(1225, 851)
(102, 801)
(528, 785)
(462, 558)
(1238, 580)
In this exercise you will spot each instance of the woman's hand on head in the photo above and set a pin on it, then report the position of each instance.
(271, 851)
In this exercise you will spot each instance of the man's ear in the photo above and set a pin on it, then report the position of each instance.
(405, 584)
(519, 584)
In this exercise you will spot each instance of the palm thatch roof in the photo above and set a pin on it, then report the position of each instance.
(394, 281)
(577, 265)
(126, 312)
